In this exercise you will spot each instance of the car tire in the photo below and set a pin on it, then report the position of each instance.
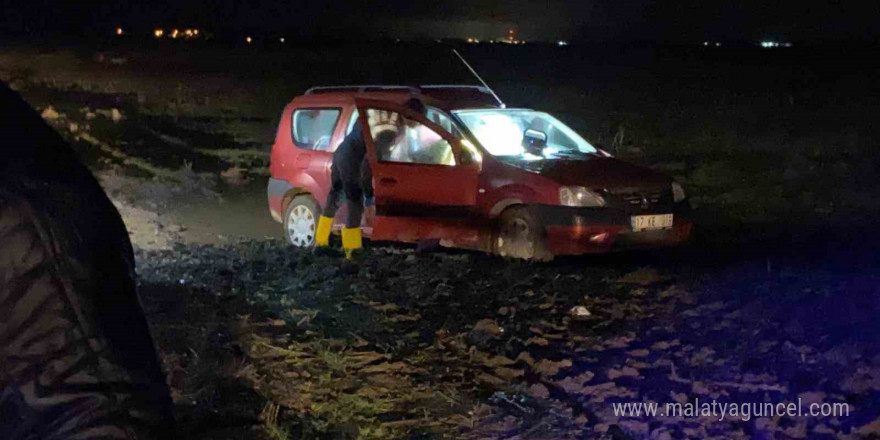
(301, 221)
(521, 234)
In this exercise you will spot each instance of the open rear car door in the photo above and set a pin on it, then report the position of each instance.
(425, 185)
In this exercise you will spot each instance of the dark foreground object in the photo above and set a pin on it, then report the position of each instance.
(76, 354)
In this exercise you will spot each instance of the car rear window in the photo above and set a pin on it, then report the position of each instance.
(313, 127)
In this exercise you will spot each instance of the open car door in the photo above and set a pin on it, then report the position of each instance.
(425, 185)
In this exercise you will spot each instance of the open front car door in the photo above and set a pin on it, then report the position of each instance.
(425, 184)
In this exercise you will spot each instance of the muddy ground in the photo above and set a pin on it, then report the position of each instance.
(260, 340)
(462, 345)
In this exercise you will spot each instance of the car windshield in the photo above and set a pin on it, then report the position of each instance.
(501, 132)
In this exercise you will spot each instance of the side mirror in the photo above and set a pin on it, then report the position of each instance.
(534, 141)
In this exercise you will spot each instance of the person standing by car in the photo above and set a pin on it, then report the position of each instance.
(351, 176)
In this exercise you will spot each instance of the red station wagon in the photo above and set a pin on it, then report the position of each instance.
(471, 174)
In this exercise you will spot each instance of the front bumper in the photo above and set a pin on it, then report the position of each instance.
(575, 231)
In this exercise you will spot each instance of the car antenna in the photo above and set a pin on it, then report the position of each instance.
(501, 103)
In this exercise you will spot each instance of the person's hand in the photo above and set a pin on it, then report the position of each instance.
(383, 120)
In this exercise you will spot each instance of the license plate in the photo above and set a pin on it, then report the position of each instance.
(651, 222)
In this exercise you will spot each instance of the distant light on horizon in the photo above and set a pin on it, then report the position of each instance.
(175, 33)
(772, 44)
(249, 40)
(281, 39)
(119, 31)
(562, 43)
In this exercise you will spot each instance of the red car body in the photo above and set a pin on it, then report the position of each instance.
(463, 205)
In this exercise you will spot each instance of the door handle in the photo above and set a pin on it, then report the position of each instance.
(388, 181)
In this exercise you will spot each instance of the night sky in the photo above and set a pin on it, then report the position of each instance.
(581, 20)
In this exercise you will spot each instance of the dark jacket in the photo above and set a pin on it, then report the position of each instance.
(350, 158)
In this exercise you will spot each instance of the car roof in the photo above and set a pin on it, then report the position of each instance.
(444, 97)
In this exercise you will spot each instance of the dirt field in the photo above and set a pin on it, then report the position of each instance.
(774, 302)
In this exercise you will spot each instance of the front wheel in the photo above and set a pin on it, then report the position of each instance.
(520, 234)
(301, 220)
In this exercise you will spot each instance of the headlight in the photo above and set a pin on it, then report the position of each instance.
(579, 196)
(677, 192)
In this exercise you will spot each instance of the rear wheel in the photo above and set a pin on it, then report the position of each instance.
(301, 221)
(520, 234)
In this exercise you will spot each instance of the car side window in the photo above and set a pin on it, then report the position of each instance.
(438, 117)
(313, 127)
(469, 153)
(399, 139)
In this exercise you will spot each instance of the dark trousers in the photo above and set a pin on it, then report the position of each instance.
(351, 182)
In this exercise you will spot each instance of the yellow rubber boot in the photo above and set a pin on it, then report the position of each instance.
(351, 241)
(322, 234)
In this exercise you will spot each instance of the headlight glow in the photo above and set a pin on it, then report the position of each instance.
(677, 192)
(579, 196)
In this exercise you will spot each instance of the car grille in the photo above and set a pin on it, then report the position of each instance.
(634, 200)
(637, 199)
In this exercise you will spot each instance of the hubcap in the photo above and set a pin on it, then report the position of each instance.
(301, 226)
(519, 230)
(515, 240)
